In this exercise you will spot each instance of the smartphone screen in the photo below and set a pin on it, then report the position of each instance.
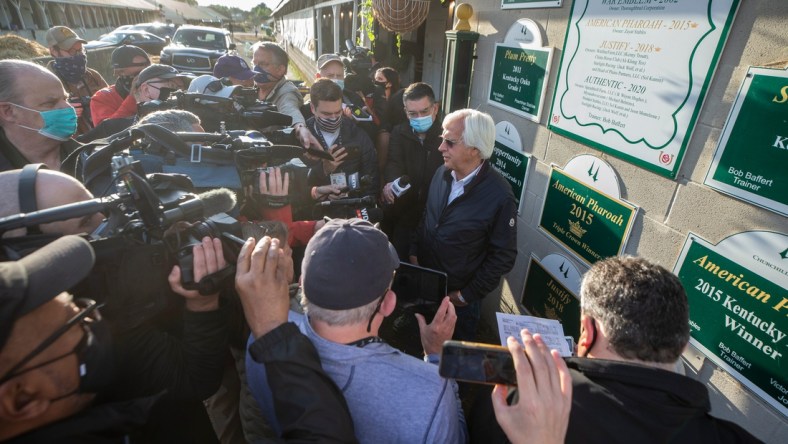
(476, 362)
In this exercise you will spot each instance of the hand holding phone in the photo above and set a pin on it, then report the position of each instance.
(477, 362)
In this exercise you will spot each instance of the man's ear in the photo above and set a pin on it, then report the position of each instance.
(587, 333)
(7, 111)
(389, 303)
(21, 401)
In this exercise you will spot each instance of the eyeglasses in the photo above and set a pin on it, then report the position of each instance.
(88, 307)
(72, 52)
(450, 142)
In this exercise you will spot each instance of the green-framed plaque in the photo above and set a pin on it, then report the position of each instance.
(634, 76)
(752, 156)
(509, 160)
(518, 81)
(590, 224)
(738, 296)
(526, 4)
(547, 296)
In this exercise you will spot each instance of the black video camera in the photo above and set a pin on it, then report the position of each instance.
(151, 224)
(241, 111)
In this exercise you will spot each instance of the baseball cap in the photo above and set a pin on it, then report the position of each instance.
(37, 278)
(123, 56)
(324, 59)
(62, 36)
(347, 264)
(211, 86)
(159, 71)
(233, 66)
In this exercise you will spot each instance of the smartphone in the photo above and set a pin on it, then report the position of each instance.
(353, 151)
(478, 363)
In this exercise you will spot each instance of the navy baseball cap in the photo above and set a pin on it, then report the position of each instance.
(233, 66)
(347, 264)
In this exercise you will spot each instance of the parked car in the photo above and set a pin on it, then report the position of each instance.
(162, 30)
(195, 49)
(148, 42)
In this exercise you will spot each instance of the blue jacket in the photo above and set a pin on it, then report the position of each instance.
(473, 239)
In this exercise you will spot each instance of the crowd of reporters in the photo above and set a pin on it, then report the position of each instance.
(185, 323)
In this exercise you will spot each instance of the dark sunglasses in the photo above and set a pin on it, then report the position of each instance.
(88, 307)
(450, 142)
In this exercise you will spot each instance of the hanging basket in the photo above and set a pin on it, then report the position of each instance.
(400, 15)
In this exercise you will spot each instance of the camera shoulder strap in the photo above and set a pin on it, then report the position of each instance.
(27, 192)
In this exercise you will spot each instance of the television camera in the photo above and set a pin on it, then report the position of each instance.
(241, 111)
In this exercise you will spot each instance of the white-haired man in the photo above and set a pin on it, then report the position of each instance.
(469, 227)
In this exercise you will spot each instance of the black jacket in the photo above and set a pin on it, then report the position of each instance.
(308, 405)
(12, 159)
(409, 156)
(474, 239)
(620, 402)
(366, 164)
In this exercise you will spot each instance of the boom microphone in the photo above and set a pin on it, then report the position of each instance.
(219, 200)
(63, 212)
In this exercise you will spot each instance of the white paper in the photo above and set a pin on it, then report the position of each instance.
(551, 330)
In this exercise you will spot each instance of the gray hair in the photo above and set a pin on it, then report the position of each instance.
(279, 55)
(10, 71)
(172, 119)
(358, 315)
(641, 305)
(479, 130)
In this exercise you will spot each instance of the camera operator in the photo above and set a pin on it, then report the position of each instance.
(179, 352)
(351, 148)
(70, 66)
(36, 120)
(119, 100)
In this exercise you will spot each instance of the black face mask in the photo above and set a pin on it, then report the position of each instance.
(123, 85)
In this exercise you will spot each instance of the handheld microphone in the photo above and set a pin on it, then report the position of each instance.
(372, 215)
(400, 186)
(366, 200)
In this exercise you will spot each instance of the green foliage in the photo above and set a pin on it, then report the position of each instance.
(368, 22)
(261, 12)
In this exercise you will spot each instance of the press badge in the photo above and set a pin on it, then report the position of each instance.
(339, 179)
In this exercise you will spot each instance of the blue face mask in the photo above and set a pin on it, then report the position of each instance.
(340, 83)
(264, 76)
(421, 124)
(59, 124)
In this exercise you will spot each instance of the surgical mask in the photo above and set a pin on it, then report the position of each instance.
(421, 124)
(339, 82)
(72, 68)
(264, 76)
(59, 124)
(329, 125)
(123, 85)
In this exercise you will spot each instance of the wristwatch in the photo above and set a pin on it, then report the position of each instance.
(462, 299)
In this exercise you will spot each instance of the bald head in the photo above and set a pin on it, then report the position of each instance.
(12, 71)
(53, 189)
